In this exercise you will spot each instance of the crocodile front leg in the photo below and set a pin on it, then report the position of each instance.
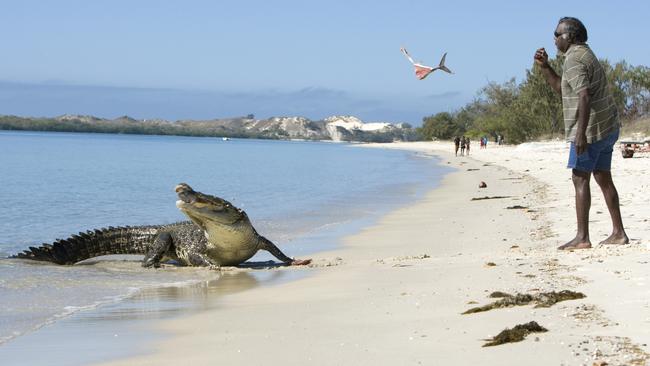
(267, 245)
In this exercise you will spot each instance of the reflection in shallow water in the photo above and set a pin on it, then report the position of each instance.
(118, 327)
(164, 302)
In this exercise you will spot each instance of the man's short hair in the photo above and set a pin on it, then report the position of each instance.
(575, 29)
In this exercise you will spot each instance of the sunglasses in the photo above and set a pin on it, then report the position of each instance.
(558, 35)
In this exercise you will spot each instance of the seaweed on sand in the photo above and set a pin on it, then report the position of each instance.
(489, 198)
(548, 299)
(516, 334)
(541, 300)
(516, 207)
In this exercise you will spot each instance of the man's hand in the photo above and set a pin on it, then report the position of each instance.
(581, 144)
(553, 79)
(541, 58)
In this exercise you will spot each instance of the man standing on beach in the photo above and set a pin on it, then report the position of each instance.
(591, 125)
(456, 145)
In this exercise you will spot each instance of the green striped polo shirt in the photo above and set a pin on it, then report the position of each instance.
(583, 71)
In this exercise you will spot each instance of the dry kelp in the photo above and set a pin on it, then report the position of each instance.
(541, 300)
(516, 207)
(489, 198)
(516, 334)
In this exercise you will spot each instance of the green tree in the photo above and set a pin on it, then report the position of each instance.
(638, 92)
(630, 87)
(466, 118)
(441, 126)
(541, 104)
(497, 100)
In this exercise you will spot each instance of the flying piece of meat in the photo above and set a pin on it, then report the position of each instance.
(422, 71)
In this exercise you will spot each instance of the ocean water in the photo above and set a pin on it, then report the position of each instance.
(301, 195)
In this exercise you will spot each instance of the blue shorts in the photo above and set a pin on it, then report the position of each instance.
(597, 157)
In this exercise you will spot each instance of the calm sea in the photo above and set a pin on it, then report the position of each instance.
(301, 195)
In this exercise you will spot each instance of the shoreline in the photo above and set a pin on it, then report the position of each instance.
(360, 284)
(395, 292)
(122, 338)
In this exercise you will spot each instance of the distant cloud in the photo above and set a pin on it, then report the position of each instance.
(322, 92)
(57, 98)
(449, 94)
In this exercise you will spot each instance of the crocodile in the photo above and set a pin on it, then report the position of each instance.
(217, 234)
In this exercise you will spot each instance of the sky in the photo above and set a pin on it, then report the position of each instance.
(197, 59)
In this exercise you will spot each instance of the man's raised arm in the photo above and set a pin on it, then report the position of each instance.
(552, 78)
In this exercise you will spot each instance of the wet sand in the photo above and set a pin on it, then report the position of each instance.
(394, 293)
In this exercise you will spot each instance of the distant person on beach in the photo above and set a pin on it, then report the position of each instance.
(456, 145)
(591, 125)
(462, 146)
(467, 145)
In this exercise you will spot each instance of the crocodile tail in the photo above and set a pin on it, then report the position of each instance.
(93, 243)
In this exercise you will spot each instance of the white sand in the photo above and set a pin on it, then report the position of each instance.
(394, 294)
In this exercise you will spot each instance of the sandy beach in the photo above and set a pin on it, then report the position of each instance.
(395, 292)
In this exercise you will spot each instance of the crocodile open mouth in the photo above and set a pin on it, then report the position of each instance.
(185, 193)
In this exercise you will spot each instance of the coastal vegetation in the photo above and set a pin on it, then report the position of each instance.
(127, 125)
(531, 110)
(277, 128)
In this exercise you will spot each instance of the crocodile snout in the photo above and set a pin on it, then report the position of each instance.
(185, 193)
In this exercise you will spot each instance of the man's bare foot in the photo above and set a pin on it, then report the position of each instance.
(616, 239)
(300, 262)
(576, 244)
